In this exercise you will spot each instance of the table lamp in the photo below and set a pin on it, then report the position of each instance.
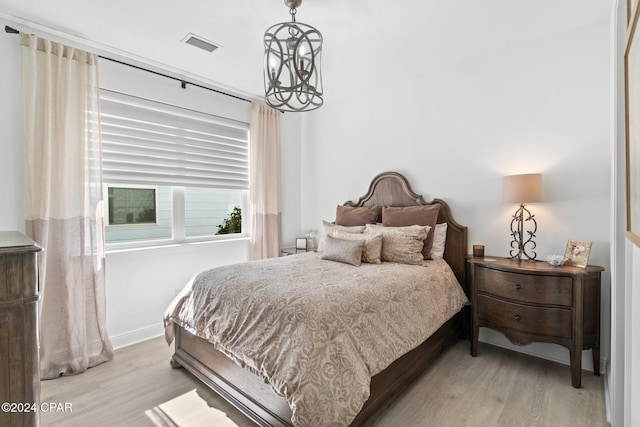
(522, 189)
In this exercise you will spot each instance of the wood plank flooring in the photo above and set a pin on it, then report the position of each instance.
(497, 388)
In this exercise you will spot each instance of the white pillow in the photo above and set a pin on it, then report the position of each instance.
(439, 240)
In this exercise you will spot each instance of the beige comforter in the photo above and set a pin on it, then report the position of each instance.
(317, 330)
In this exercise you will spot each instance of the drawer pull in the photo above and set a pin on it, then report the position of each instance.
(517, 317)
(518, 286)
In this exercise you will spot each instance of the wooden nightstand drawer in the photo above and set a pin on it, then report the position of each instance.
(549, 322)
(553, 290)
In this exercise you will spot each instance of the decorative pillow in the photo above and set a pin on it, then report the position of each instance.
(346, 251)
(439, 240)
(372, 251)
(401, 244)
(329, 229)
(350, 215)
(413, 215)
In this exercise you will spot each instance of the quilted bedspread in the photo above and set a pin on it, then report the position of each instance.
(317, 330)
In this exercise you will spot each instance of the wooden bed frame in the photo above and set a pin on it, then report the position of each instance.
(253, 397)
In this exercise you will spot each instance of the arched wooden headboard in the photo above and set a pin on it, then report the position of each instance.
(393, 189)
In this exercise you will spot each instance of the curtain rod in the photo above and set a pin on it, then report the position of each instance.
(183, 83)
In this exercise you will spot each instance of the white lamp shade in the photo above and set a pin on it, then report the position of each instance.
(521, 189)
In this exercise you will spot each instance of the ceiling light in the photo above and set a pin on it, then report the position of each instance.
(292, 77)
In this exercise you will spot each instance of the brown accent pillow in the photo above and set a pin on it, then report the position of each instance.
(361, 215)
(413, 215)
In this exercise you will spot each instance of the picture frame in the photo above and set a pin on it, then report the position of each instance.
(301, 243)
(632, 123)
(577, 253)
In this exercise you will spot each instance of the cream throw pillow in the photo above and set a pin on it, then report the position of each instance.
(328, 229)
(401, 244)
(372, 252)
(346, 251)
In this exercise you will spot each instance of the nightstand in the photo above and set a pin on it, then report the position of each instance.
(532, 301)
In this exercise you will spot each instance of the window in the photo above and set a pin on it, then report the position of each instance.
(206, 210)
(132, 206)
(171, 174)
(141, 233)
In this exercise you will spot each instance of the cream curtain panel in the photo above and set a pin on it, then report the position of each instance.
(265, 181)
(63, 208)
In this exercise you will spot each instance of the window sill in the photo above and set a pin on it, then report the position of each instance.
(145, 246)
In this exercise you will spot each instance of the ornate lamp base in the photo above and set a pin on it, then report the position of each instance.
(519, 246)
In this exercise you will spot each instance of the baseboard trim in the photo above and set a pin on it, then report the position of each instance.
(138, 335)
(607, 397)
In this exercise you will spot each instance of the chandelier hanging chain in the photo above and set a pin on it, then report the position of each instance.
(293, 12)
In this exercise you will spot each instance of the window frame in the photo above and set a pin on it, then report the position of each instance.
(105, 196)
(178, 227)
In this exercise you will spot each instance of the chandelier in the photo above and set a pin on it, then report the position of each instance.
(292, 51)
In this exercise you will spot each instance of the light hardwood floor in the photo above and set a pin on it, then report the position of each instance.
(497, 388)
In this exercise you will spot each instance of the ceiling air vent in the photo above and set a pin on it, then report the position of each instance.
(199, 42)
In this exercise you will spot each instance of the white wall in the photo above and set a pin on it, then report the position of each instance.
(456, 129)
(142, 283)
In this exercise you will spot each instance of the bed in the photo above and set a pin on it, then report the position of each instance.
(241, 378)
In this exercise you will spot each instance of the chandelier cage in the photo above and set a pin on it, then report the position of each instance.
(292, 58)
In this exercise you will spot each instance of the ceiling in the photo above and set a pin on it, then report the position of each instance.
(151, 31)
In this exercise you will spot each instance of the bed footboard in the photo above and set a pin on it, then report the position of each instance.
(254, 398)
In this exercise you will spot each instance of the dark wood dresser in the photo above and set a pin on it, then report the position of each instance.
(532, 301)
(19, 367)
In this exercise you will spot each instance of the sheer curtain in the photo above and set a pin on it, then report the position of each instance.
(265, 181)
(63, 207)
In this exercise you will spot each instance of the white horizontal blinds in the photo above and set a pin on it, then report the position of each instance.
(146, 142)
